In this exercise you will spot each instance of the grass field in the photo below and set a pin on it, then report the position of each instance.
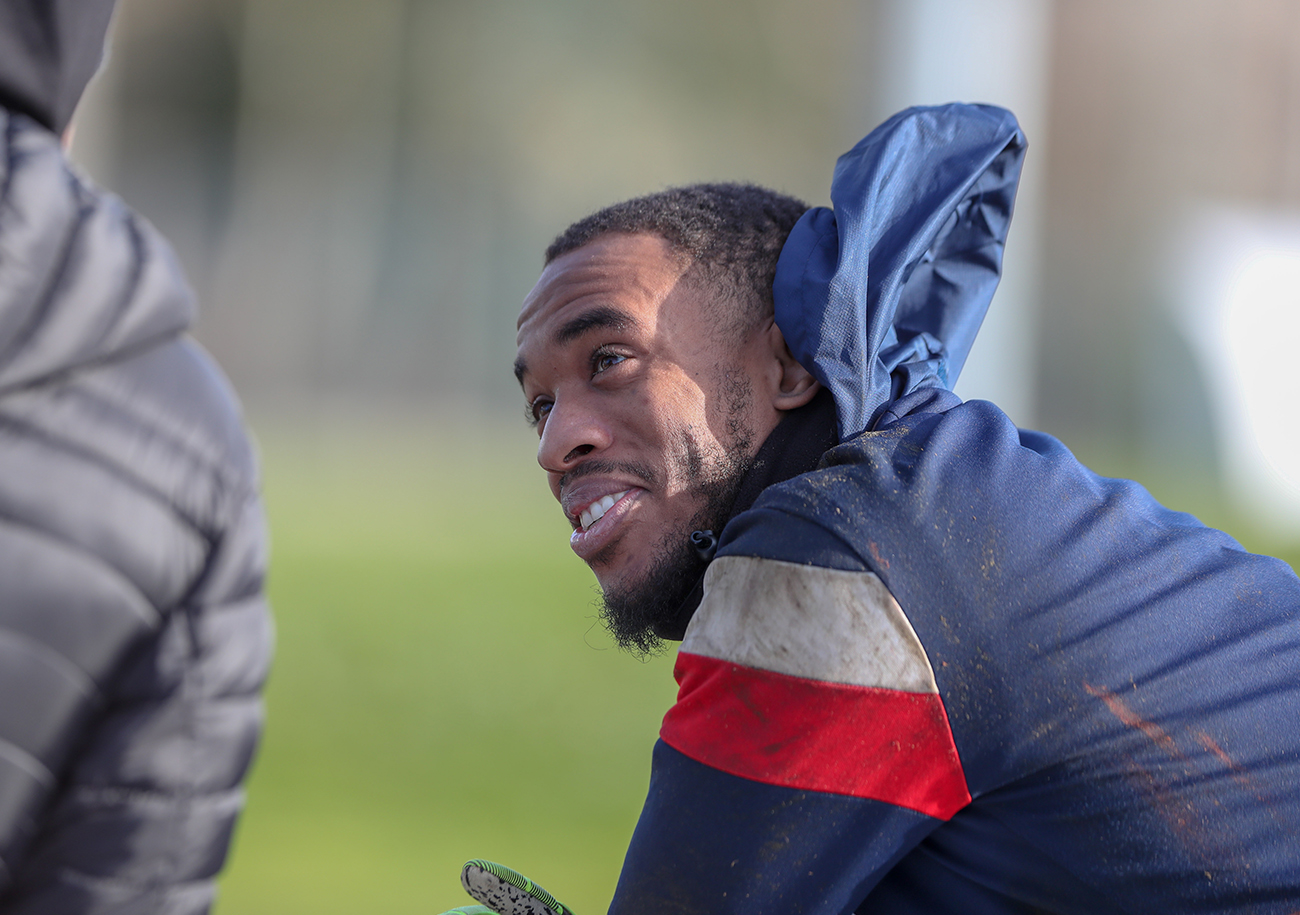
(441, 689)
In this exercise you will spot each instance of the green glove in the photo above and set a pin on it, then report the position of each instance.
(505, 892)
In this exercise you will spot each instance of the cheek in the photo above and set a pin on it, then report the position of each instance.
(694, 457)
(654, 414)
(690, 453)
(684, 406)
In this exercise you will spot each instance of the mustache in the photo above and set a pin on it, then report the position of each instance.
(643, 472)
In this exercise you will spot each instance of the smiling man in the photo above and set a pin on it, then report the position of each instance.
(929, 662)
(652, 375)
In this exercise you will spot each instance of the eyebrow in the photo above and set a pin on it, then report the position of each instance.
(603, 316)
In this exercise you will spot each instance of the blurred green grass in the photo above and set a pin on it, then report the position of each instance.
(441, 689)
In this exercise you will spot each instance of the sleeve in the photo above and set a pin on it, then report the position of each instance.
(807, 752)
(149, 722)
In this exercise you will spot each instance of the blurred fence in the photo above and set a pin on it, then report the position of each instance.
(361, 190)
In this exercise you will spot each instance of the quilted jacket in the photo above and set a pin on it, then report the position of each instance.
(134, 636)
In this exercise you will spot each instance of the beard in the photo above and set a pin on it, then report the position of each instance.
(632, 610)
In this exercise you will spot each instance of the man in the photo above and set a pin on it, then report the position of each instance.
(134, 637)
(930, 663)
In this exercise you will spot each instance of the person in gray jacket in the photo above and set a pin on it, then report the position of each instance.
(134, 636)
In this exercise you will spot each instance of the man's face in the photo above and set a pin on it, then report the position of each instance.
(643, 402)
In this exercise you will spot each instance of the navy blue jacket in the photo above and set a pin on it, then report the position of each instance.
(952, 669)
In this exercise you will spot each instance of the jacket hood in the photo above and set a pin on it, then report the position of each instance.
(883, 294)
(49, 50)
(82, 278)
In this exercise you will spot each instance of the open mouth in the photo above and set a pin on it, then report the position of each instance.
(596, 510)
(602, 523)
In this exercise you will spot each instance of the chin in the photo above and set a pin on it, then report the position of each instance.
(614, 567)
(610, 581)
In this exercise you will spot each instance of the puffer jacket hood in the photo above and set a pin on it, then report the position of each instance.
(883, 295)
(82, 278)
(49, 50)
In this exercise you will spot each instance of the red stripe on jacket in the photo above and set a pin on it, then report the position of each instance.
(883, 744)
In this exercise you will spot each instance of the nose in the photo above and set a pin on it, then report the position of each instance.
(572, 431)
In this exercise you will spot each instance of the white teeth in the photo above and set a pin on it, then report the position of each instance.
(597, 509)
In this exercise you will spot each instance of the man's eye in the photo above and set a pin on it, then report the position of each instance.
(602, 361)
(536, 411)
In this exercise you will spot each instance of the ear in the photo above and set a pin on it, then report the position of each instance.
(795, 385)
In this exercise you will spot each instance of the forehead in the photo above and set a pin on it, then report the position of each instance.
(630, 274)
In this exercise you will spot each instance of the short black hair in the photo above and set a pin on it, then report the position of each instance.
(731, 232)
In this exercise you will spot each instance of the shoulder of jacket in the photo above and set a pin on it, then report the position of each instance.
(171, 400)
(155, 433)
(808, 621)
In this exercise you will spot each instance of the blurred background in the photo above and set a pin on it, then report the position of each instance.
(360, 191)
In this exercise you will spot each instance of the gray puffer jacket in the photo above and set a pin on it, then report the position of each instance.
(134, 637)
